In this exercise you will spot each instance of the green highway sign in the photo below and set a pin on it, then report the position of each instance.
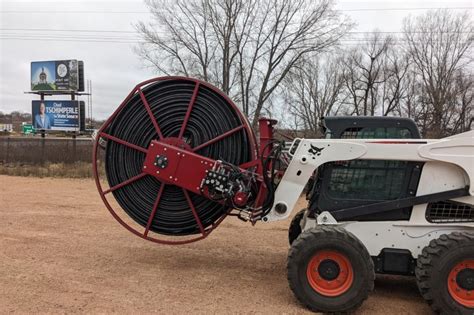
(27, 129)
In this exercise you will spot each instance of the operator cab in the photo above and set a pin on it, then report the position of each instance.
(349, 184)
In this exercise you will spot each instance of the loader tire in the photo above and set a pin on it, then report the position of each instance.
(445, 273)
(330, 270)
(295, 226)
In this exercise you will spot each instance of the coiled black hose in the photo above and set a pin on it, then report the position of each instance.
(211, 116)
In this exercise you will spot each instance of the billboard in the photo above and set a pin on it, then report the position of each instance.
(58, 75)
(58, 115)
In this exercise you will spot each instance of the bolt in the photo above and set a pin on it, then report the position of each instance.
(144, 166)
(171, 177)
(157, 172)
(175, 179)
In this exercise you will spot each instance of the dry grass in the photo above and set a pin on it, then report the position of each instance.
(74, 170)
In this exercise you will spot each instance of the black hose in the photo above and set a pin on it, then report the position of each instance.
(211, 116)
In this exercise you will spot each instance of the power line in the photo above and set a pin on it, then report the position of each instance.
(348, 41)
(147, 12)
(404, 9)
(69, 40)
(135, 32)
(65, 30)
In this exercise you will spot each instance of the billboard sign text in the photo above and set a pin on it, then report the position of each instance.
(58, 115)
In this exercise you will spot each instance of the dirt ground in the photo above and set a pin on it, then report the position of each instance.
(62, 252)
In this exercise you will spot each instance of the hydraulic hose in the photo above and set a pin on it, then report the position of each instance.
(212, 115)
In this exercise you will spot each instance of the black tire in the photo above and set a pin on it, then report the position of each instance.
(434, 265)
(295, 228)
(322, 239)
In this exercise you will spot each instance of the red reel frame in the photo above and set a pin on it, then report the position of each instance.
(266, 133)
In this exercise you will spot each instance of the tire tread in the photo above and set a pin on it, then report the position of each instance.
(334, 232)
(426, 260)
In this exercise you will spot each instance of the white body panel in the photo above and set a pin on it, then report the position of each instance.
(449, 165)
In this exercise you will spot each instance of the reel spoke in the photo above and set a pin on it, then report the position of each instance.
(150, 113)
(198, 221)
(218, 138)
(190, 108)
(123, 142)
(155, 207)
(128, 181)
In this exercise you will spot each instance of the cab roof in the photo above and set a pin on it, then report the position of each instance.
(336, 125)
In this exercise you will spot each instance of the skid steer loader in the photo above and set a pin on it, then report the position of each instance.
(180, 157)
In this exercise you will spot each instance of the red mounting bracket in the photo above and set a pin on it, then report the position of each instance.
(173, 165)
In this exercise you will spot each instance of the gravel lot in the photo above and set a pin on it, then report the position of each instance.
(62, 252)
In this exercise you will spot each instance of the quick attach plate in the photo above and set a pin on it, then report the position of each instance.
(176, 166)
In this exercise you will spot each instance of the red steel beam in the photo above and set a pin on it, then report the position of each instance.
(155, 207)
(123, 142)
(198, 221)
(222, 136)
(150, 113)
(128, 181)
(188, 112)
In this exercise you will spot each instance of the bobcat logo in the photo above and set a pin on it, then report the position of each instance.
(315, 150)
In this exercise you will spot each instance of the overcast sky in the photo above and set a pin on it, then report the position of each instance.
(108, 55)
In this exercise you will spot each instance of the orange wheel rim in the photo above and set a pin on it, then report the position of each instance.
(460, 282)
(330, 273)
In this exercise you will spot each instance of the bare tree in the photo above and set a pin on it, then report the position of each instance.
(394, 84)
(365, 71)
(459, 115)
(179, 40)
(246, 48)
(439, 43)
(313, 90)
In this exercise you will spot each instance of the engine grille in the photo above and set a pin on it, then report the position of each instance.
(449, 212)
